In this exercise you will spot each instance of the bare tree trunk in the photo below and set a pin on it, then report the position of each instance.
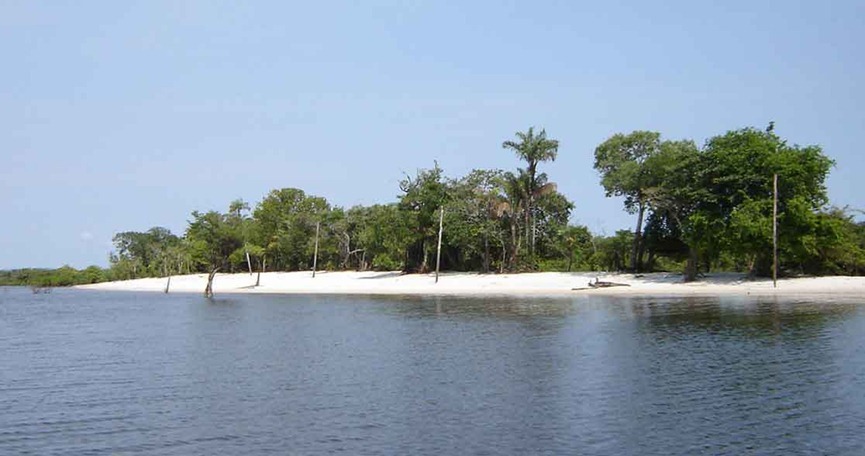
(315, 252)
(775, 232)
(504, 249)
(691, 265)
(751, 264)
(166, 273)
(439, 247)
(528, 226)
(208, 290)
(347, 252)
(423, 266)
(348, 259)
(514, 246)
(638, 239)
(641, 253)
(486, 264)
(534, 231)
(248, 262)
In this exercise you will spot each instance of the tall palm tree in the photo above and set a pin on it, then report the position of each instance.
(533, 149)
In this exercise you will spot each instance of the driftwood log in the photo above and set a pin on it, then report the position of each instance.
(602, 284)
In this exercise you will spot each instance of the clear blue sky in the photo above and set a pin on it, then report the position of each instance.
(123, 115)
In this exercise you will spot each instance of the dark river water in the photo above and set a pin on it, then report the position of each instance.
(124, 373)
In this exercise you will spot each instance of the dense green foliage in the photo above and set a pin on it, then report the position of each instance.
(624, 162)
(156, 252)
(713, 207)
(495, 221)
(60, 277)
(697, 209)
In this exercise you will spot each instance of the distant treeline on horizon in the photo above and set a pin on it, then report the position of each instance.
(696, 209)
(60, 277)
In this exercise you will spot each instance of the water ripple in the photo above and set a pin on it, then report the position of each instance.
(94, 373)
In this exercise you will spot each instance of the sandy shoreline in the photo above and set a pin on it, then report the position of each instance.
(472, 284)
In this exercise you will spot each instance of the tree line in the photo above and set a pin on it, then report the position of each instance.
(60, 277)
(712, 207)
(495, 221)
(696, 209)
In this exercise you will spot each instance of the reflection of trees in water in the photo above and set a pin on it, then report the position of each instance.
(740, 316)
(709, 366)
(500, 362)
(479, 307)
(744, 316)
(684, 371)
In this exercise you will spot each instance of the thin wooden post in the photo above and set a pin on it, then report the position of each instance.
(439, 249)
(315, 254)
(168, 282)
(775, 232)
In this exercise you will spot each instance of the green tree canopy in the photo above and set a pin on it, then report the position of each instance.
(423, 196)
(738, 175)
(148, 254)
(286, 220)
(533, 149)
(621, 161)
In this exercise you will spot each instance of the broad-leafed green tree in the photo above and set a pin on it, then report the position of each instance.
(423, 196)
(384, 233)
(286, 220)
(152, 253)
(676, 197)
(212, 239)
(738, 169)
(621, 162)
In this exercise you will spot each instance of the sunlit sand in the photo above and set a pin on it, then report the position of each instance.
(546, 283)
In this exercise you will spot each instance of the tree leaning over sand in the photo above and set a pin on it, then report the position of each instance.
(213, 238)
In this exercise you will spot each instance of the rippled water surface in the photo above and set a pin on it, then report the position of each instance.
(117, 373)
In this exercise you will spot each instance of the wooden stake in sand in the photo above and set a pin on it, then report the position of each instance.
(775, 232)
(439, 249)
(315, 254)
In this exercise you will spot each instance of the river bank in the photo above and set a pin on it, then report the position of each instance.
(545, 283)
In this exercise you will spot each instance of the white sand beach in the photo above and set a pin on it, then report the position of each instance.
(528, 284)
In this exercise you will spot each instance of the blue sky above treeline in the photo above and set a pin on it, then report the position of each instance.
(121, 116)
